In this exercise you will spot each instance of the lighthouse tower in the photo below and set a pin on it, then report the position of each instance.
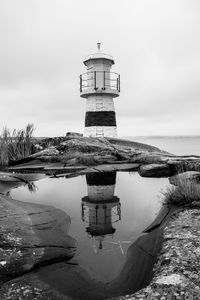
(99, 86)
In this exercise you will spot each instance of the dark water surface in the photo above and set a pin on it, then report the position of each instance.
(108, 213)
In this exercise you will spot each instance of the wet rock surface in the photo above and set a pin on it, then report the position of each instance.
(31, 235)
(68, 280)
(177, 272)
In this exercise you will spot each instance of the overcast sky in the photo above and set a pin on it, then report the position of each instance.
(155, 44)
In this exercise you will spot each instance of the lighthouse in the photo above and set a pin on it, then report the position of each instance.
(99, 86)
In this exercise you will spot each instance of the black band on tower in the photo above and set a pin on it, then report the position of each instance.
(113, 199)
(107, 178)
(100, 118)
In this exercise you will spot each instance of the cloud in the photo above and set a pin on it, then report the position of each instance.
(155, 44)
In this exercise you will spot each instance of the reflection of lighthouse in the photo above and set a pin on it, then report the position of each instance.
(101, 208)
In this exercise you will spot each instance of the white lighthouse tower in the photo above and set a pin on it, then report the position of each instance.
(99, 86)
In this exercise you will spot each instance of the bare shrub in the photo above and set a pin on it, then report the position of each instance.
(190, 165)
(16, 144)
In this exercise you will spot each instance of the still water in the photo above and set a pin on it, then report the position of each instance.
(108, 213)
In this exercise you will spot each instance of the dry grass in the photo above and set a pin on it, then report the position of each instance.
(186, 192)
(16, 144)
(188, 166)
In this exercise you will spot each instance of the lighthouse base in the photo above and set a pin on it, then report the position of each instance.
(100, 131)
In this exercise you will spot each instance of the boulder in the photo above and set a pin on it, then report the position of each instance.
(31, 235)
(155, 170)
(46, 152)
(73, 134)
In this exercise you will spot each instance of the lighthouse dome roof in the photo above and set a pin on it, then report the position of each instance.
(99, 55)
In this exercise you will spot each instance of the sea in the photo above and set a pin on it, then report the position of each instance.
(178, 145)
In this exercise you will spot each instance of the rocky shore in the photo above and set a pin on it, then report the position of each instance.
(34, 238)
(73, 154)
(176, 274)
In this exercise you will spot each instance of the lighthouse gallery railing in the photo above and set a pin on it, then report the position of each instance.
(99, 80)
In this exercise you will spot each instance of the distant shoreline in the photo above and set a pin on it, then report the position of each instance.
(163, 136)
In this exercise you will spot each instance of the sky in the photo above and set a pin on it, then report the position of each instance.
(155, 45)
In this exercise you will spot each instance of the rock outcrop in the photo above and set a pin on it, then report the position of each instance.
(79, 151)
(85, 150)
(176, 274)
(71, 281)
(31, 235)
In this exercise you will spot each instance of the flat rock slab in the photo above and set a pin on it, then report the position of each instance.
(36, 164)
(155, 170)
(63, 170)
(47, 169)
(30, 235)
(116, 167)
(28, 169)
(18, 177)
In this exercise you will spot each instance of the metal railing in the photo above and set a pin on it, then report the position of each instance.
(99, 81)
